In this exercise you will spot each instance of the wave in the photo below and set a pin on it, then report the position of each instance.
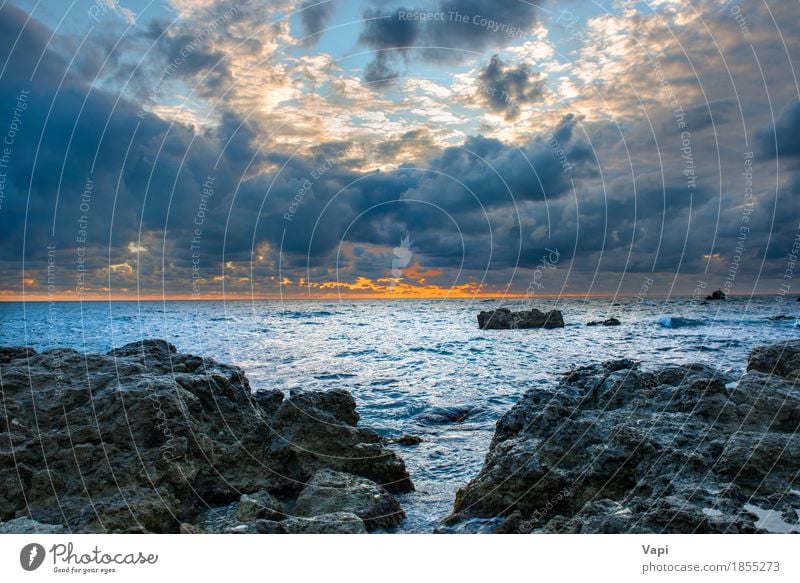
(334, 376)
(307, 314)
(347, 353)
(679, 322)
(430, 350)
(705, 348)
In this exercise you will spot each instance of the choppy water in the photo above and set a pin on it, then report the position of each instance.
(403, 359)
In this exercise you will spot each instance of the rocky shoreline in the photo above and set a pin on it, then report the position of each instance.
(147, 439)
(616, 449)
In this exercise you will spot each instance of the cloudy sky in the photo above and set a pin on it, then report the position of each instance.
(206, 148)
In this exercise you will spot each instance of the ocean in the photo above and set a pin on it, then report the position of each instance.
(411, 363)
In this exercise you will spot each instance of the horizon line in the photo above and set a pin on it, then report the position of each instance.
(511, 296)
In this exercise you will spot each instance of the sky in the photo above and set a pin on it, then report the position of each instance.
(448, 148)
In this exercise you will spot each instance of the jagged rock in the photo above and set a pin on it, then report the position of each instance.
(132, 510)
(330, 491)
(260, 505)
(154, 436)
(615, 449)
(505, 319)
(717, 295)
(782, 359)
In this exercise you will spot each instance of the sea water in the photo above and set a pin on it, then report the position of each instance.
(407, 360)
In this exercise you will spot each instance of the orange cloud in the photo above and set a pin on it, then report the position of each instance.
(391, 288)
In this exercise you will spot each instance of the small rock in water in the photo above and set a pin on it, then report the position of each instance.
(443, 415)
(505, 319)
(607, 322)
(780, 318)
(717, 295)
(407, 440)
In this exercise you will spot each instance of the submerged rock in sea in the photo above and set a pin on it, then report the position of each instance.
(449, 414)
(606, 322)
(615, 449)
(142, 438)
(505, 319)
(406, 439)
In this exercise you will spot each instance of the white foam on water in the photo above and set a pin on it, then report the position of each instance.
(771, 520)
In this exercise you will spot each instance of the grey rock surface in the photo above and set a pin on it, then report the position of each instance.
(143, 438)
(615, 449)
(329, 491)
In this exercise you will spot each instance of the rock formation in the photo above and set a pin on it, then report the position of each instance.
(143, 438)
(616, 449)
(505, 319)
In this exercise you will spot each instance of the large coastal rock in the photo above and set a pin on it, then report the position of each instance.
(505, 319)
(143, 438)
(616, 449)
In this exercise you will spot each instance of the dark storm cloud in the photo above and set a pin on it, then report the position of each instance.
(175, 52)
(386, 32)
(464, 197)
(145, 175)
(451, 204)
(500, 174)
(506, 88)
(444, 31)
(149, 175)
(483, 204)
(699, 117)
(379, 72)
(389, 30)
(783, 137)
(315, 16)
